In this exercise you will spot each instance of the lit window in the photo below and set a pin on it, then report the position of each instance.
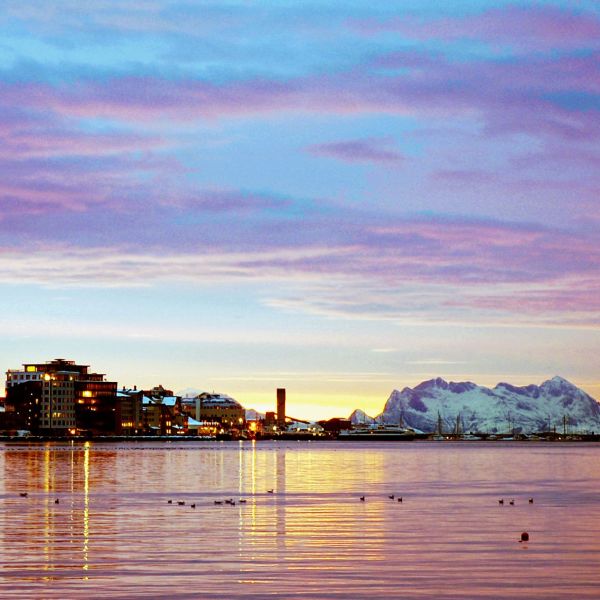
(31, 368)
(87, 394)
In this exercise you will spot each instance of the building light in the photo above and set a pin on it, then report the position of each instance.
(87, 394)
(31, 369)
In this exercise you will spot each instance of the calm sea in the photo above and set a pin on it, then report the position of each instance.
(114, 534)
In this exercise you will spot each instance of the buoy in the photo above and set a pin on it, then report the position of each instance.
(524, 537)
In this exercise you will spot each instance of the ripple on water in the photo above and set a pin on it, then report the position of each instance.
(114, 534)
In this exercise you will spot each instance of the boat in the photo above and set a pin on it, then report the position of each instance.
(373, 433)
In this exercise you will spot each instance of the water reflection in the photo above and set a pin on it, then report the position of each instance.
(115, 534)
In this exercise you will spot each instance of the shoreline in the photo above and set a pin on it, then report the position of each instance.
(586, 438)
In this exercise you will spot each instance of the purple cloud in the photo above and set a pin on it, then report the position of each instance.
(540, 27)
(375, 150)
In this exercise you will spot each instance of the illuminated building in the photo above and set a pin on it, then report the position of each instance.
(129, 412)
(162, 412)
(217, 408)
(61, 397)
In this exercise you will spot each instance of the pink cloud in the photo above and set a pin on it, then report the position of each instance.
(369, 268)
(504, 97)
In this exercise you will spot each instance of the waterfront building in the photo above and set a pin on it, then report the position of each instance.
(163, 413)
(60, 397)
(129, 411)
(215, 408)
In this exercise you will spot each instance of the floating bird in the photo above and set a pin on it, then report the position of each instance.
(530, 500)
(524, 537)
(230, 501)
(362, 498)
(400, 499)
(180, 502)
(23, 494)
(269, 491)
(218, 501)
(391, 497)
(501, 501)
(169, 501)
(512, 502)
(242, 501)
(192, 506)
(57, 501)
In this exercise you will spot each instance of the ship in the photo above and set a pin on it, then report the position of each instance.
(392, 433)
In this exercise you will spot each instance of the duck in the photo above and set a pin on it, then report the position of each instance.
(362, 498)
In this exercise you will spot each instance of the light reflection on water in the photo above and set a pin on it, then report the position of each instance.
(114, 534)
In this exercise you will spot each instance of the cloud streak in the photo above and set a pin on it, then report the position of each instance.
(372, 150)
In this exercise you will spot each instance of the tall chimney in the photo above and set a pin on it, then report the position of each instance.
(281, 408)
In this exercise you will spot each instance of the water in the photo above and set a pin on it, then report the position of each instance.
(113, 533)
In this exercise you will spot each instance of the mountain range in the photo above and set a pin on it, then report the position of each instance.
(555, 403)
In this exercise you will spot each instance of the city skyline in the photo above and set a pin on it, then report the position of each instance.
(335, 201)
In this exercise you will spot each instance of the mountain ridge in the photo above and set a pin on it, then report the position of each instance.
(555, 403)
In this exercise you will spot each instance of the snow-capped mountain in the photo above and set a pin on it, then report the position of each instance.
(360, 417)
(498, 410)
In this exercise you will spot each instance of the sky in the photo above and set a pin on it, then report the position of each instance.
(338, 198)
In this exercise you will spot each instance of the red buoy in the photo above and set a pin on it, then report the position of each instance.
(524, 537)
